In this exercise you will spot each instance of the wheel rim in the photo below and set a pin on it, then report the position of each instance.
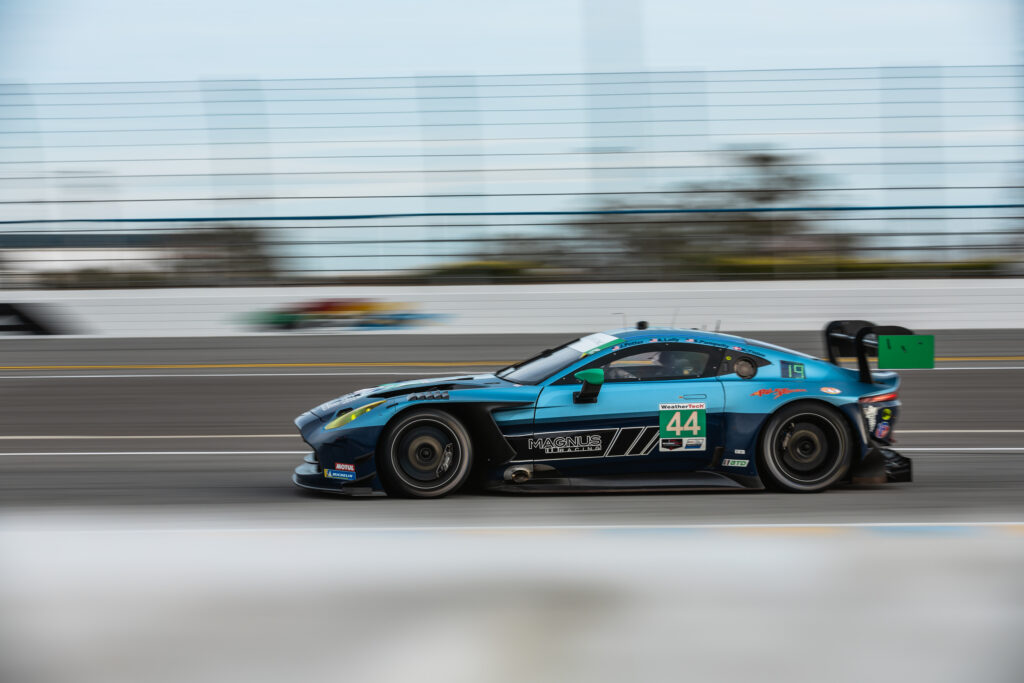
(428, 454)
(807, 448)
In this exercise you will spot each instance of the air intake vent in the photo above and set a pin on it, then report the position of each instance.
(429, 396)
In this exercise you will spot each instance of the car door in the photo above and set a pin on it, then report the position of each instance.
(660, 410)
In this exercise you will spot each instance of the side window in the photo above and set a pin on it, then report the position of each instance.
(653, 362)
(743, 365)
(654, 365)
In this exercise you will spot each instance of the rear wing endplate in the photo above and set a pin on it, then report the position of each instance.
(857, 338)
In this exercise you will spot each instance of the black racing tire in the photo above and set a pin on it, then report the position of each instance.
(425, 453)
(804, 448)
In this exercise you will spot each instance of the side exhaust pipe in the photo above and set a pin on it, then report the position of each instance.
(518, 474)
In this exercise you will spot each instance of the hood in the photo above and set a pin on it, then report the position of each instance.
(409, 387)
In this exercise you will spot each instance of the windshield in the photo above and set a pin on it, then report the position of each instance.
(550, 361)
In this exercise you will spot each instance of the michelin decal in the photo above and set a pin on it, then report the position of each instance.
(339, 474)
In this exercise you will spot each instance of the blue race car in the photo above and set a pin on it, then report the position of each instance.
(625, 410)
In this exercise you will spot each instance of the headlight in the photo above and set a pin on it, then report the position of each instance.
(343, 420)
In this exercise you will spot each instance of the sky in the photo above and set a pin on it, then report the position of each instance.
(114, 40)
(46, 168)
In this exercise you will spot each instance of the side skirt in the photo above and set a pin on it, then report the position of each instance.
(692, 481)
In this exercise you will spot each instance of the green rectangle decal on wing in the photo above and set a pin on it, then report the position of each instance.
(906, 351)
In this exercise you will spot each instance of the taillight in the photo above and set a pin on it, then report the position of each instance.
(880, 398)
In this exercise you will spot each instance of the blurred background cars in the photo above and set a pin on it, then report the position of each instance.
(339, 314)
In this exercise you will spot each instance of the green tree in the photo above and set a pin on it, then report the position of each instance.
(727, 233)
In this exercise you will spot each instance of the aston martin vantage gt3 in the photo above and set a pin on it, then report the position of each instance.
(624, 410)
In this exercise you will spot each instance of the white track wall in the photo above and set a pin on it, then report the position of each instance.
(735, 306)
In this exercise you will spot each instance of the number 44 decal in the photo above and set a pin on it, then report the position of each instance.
(692, 424)
(682, 426)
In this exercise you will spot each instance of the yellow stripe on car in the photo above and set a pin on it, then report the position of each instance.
(344, 419)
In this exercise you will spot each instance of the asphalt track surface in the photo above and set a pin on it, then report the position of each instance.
(192, 426)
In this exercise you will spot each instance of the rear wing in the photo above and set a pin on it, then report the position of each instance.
(857, 338)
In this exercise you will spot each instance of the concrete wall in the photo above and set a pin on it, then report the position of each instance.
(736, 306)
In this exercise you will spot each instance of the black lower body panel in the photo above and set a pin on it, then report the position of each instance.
(310, 476)
(882, 465)
(897, 467)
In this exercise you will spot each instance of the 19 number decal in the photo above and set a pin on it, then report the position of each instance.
(791, 370)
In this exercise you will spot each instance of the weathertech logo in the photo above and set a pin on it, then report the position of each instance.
(567, 444)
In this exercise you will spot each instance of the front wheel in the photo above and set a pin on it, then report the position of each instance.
(805, 448)
(425, 454)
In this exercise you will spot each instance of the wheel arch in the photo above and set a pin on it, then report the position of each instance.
(851, 426)
(856, 439)
(489, 444)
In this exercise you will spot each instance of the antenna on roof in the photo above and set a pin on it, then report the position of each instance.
(718, 325)
(674, 313)
(624, 323)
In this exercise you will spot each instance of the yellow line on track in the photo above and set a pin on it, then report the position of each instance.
(214, 366)
(39, 437)
(977, 358)
(951, 359)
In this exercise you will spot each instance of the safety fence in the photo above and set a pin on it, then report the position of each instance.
(685, 175)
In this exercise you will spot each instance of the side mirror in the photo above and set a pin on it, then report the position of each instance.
(592, 380)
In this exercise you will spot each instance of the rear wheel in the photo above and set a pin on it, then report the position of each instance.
(425, 454)
(805, 448)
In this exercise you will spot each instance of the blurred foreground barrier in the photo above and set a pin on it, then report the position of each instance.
(570, 308)
(167, 604)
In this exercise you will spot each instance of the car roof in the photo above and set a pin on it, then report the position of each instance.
(634, 333)
(715, 338)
